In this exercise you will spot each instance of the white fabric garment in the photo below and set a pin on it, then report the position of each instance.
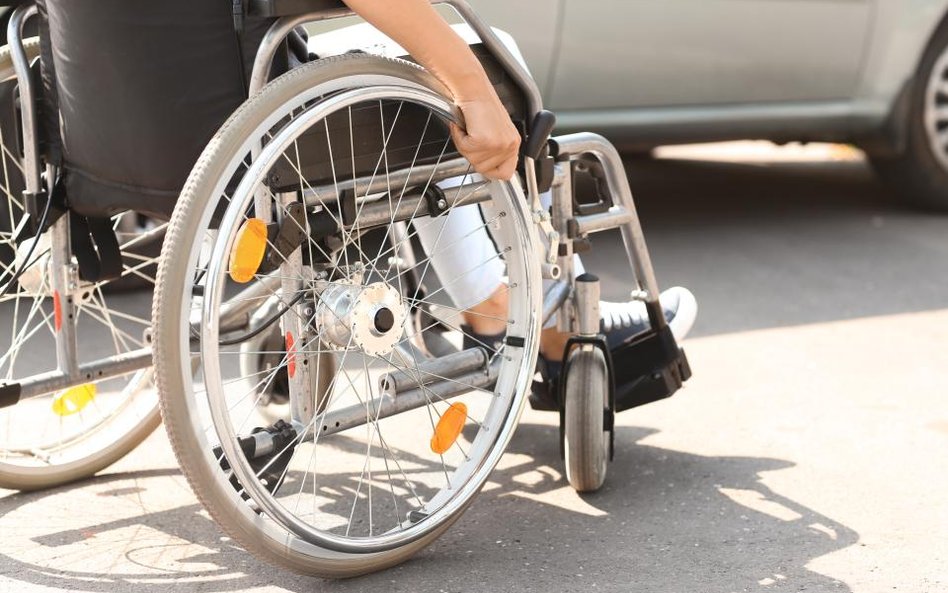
(463, 254)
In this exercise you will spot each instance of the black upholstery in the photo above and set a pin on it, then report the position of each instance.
(142, 87)
(270, 8)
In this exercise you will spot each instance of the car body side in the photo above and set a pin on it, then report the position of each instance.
(651, 72)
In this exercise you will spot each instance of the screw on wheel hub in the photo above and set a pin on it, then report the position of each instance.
(369, 318)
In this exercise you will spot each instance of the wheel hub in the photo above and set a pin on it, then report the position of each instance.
(367, 317)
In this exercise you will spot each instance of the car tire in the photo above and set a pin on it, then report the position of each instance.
(919, 172)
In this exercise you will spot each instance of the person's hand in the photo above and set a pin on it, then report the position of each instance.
(490, 141)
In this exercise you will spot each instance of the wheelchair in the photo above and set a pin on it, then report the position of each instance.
(312, 373)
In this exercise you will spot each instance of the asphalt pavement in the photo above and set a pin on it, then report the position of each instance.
(808, 453)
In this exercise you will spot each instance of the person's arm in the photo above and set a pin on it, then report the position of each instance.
(491, 141)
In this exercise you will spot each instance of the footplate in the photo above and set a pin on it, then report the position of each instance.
(647, 368)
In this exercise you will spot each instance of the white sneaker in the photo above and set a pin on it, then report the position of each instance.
(619, 321)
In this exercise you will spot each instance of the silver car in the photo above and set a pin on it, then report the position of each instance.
(650, 72)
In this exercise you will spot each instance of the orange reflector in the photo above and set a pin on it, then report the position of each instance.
(248, 250)
(73, 400)
(57, 310)
(448, 428)
(290, 354)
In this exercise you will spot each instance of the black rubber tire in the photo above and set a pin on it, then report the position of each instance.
(916, 173)
(586, 443)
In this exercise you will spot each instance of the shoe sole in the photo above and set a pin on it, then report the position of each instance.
(685, 314)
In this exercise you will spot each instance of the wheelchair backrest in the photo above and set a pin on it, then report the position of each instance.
(142, 86)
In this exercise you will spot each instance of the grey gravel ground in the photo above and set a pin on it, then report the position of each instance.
(808, 452)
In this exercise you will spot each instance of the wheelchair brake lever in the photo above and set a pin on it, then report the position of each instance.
(532, 150)
(540, 131)
(549, 237)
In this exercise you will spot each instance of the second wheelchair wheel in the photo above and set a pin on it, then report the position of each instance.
(66, 411)
(294, 201)
(264, 352)
(586, 438)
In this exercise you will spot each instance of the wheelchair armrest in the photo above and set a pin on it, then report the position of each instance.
(274, 8)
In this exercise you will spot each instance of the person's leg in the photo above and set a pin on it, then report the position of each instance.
(461, 252)
(620, 319)
(460, 249)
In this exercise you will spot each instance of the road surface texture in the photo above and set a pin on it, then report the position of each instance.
(808, 453)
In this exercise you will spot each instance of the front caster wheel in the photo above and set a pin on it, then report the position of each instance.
(586, 436)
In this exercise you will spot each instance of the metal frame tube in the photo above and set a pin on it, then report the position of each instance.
(383, 407)
(21, 66)
(562, 212)
(67, 356)
(380, 212)
(412, 176)
(404, 255)
(270, 44)
(99, 370)
(587, 305)
(614, 217)
(632, 235)
(296, 327)
(555, 297)
(433, 371)
(67, 350)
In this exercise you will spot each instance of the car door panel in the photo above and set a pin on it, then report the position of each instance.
(630, 53)
(534, 27)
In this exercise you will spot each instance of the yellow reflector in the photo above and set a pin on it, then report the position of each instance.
(448, 428)
(73, 400)
(248, 250)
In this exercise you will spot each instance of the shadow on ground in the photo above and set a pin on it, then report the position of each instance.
(666, 521)
(781, 244)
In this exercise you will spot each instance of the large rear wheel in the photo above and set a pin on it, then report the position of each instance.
(358, 477)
